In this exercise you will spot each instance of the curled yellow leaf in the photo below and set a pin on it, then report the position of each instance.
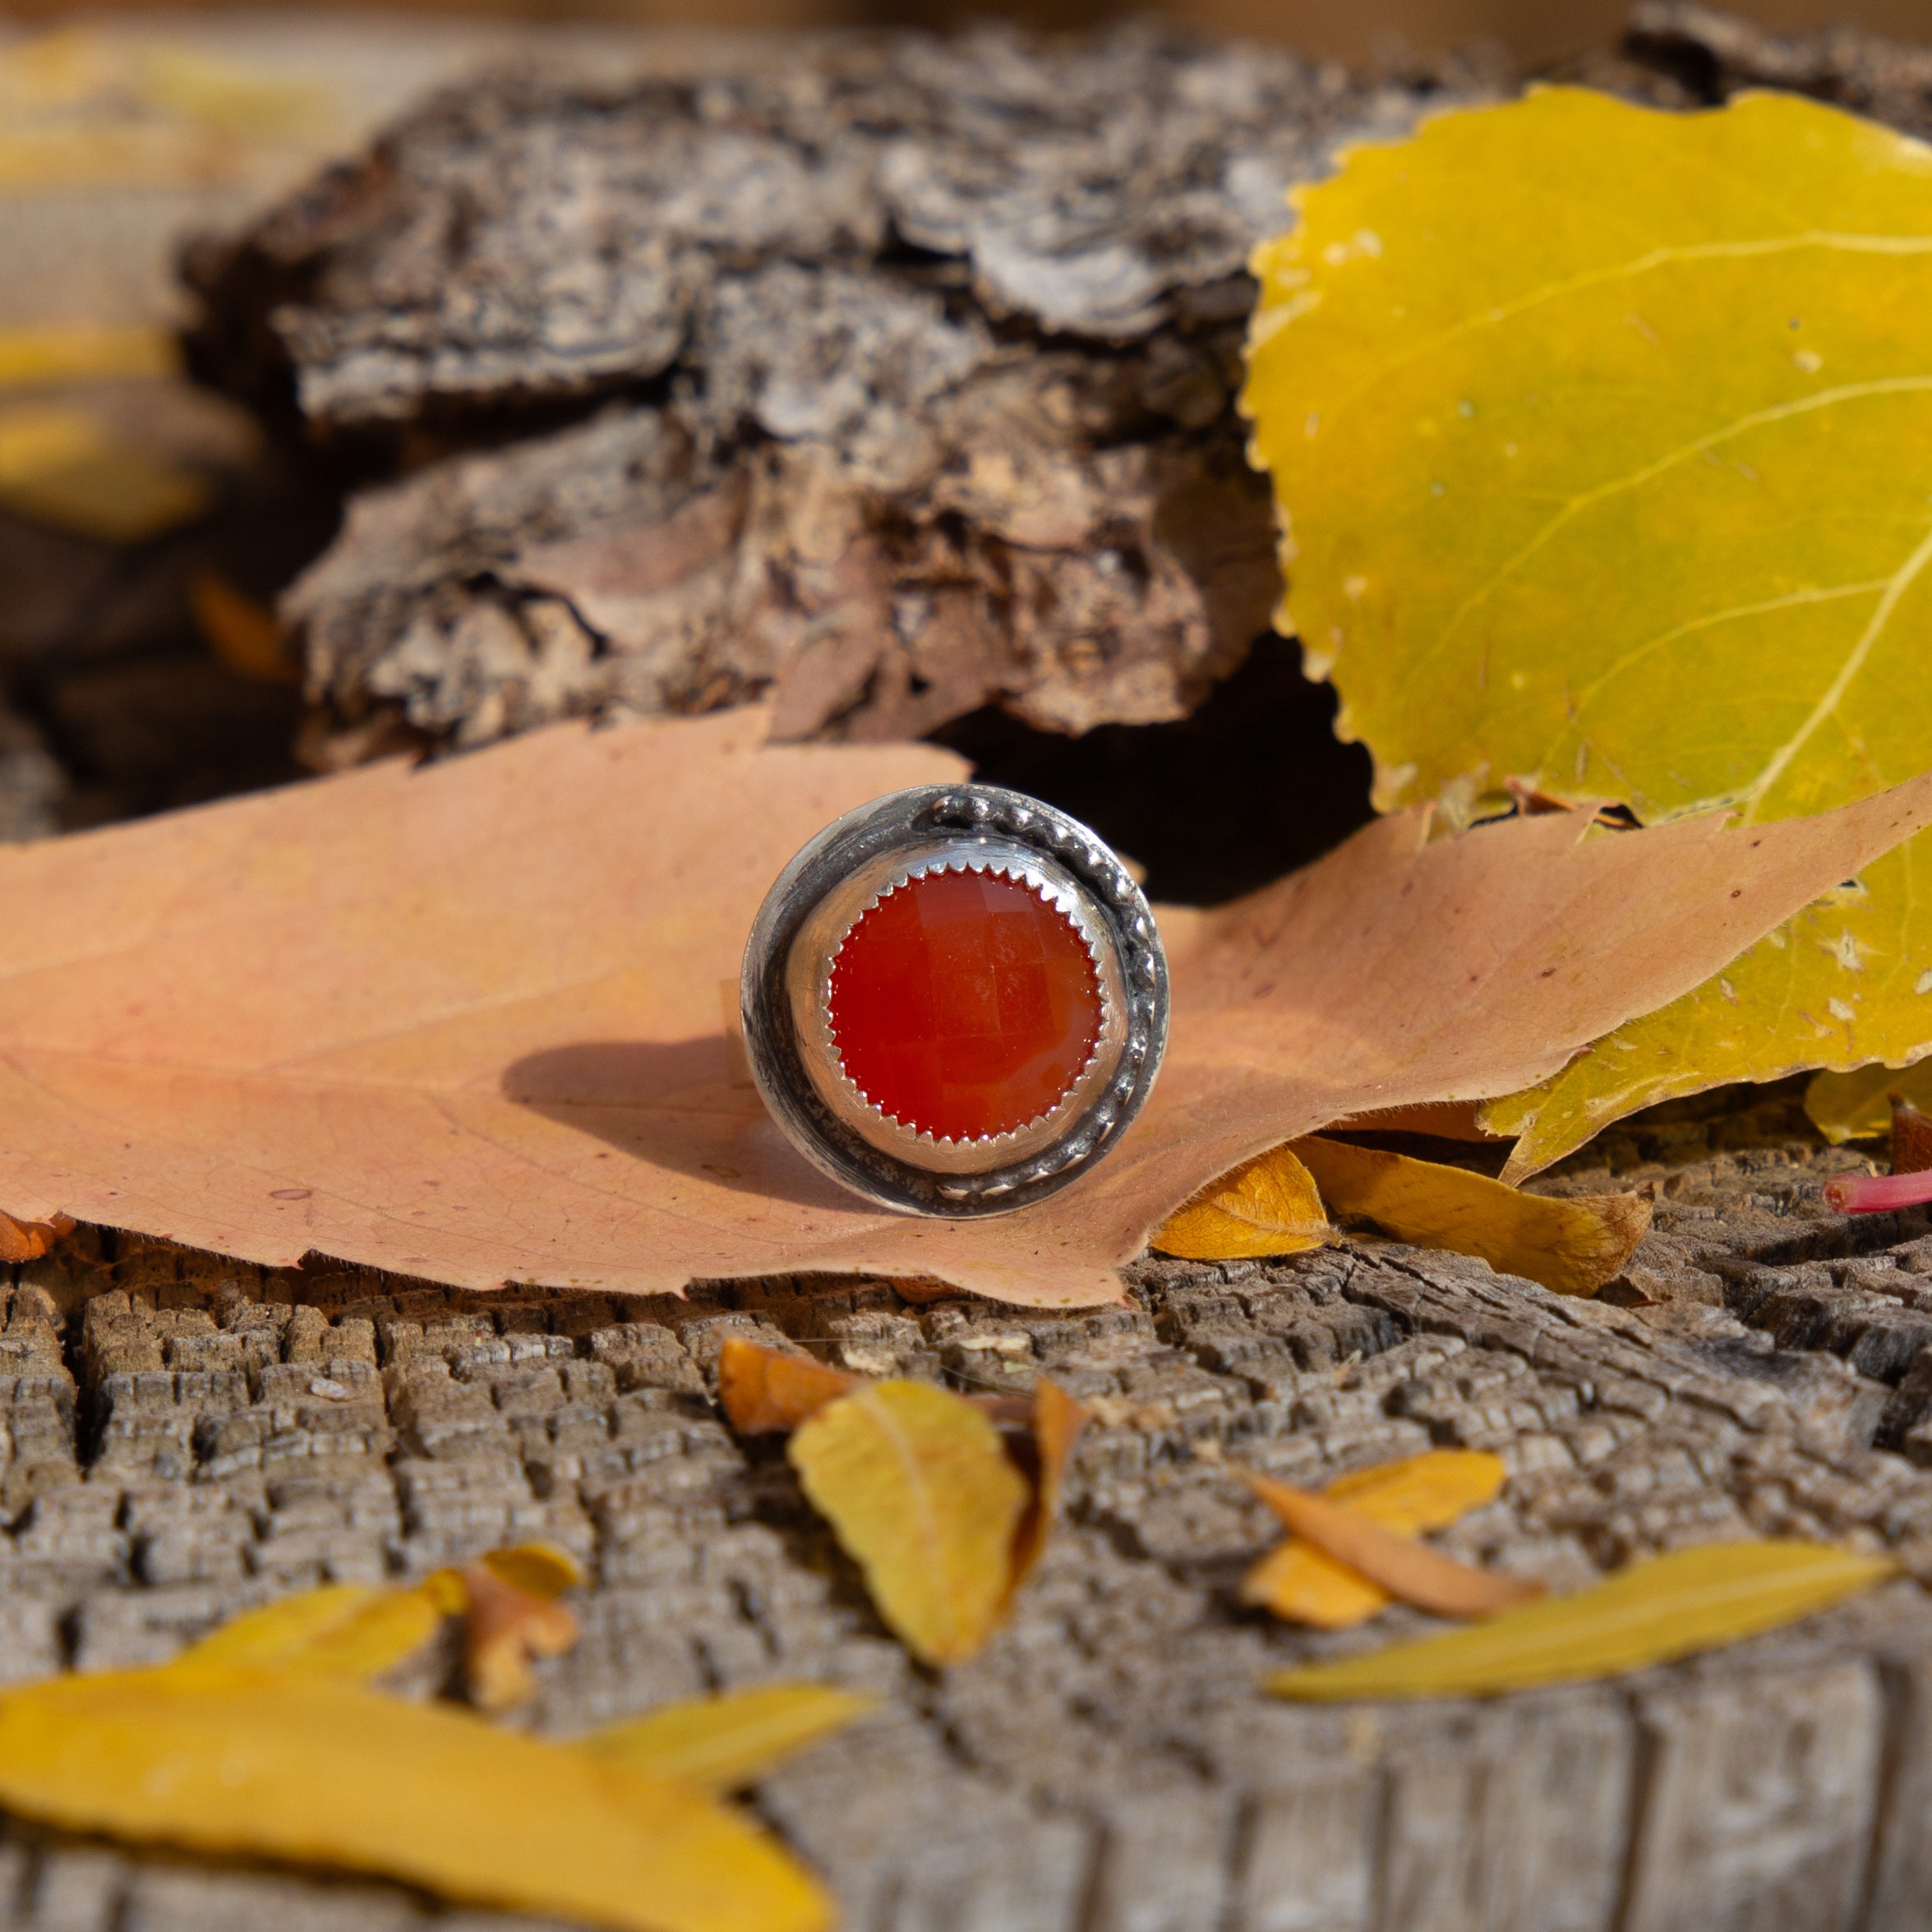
(1057, 1420)
(353, 1632)
(505, 1628)
(1268, 1206)
(1399, 1565)
(922, 1495)
(264, 1763)
(1300, 1581)
(763, 1390)
(720, 1744)
(1649, 1613)
(538, 1570)
(1572, 1246)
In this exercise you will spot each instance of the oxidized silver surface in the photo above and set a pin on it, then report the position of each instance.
(785, 992)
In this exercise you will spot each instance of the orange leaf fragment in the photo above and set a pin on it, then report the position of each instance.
(1300, 1581)
(27, 1241)
(1269, 1205)
(242, 634)
(765, 1390)
(1405, 1569)
(1057, 1420)
(505, 1628)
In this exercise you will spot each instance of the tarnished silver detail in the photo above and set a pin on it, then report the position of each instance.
(785, 992)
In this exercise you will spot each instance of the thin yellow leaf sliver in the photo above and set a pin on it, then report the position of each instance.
(923, 1496)
(1268, 1206)
(1571, 1246)
(1652, 1612)
(1055, 1421)
(1300, 1581)
(723, 1743)
(354, 1632)
(1401, 1566)
(58, 466)
(232, 1760)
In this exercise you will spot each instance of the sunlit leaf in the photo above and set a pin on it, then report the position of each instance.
(85, 352)
(723, 1743)
(351, 1631)
(59, 466)
(1302, 1581)
(1266, 1206)
(1573, 1246)
(1597, 430)
(1397, 1564)
(1670, 1607)
(266, 1762)
(922, 1495)
(505, 1627)
(764, 1389)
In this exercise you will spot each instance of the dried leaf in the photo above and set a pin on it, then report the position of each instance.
(242, 633)
(505, 1628)
(27, 1241)
(1650, 1613)
(1593, 426)
(923, 1497)
(87, 352)
(1403, 1568)
(59, 466)
(1057, 1420)
(538, 1570)
(1303, 1583)
(263, 1763)
(461, 1022)
(1266, 1206)
(1573, 1246)
(723, 1743)
(1858, 1105)
(353, 1632)
(765, 1390)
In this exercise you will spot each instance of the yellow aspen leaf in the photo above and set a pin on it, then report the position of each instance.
(1057, 1420)
(27, 1241)
(504, 1628)
(1572, 1246)
(1266, 1207)
(58, 466)
(1303, 1583)
(1401, 1566)
(1857, 1105)
(242, 634)
(352, 1631)
(1592, 430)
(1650, 1613)
(87, 352)
(723, 1743)
(262, 1763)
(766, 1390)
(921, 1494)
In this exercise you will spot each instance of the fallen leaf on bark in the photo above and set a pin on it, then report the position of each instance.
(226, 1759)
(1300, 1581)
(505, 1628)
(462, 1022)
(762, 1391)
(1572, 1246)
(923, 1496)
(1650, 1613)
(1057, 1420)
(354, 1632)
(1399, 1564)
(723, 1743)
(1479, 417)
(1859, 1106)
(27, 1241)
(1268, 1206)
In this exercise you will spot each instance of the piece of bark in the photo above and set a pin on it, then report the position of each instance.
(927, 350)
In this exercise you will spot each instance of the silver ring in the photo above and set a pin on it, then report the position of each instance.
(831, 1026)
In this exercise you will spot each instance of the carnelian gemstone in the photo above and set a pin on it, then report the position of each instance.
(964, 1003)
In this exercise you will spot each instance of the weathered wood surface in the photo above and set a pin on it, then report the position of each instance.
(185, 1436)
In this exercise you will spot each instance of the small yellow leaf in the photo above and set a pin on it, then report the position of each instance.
(58, 466)
(261, 1763)
(242, 634)
(538, 1570)
(765, 1390)
(721, 1744)
(1572, 1246)
(1401, 1566)
(923, 1497)
(85, 352)
(1266, 1207)
(352, 1631)
(1857, 1106)
(1305, 1584)
(1057, 1420)
(1650, 1613)
(504, 1628)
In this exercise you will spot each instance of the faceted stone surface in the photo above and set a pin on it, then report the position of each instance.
(964, 1003)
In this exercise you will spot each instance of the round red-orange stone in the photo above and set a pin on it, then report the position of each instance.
(964, 1003)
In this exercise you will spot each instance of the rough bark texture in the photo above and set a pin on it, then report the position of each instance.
(922, 357)
(187, 1436)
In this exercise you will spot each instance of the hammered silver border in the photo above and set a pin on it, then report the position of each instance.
(818, 898)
